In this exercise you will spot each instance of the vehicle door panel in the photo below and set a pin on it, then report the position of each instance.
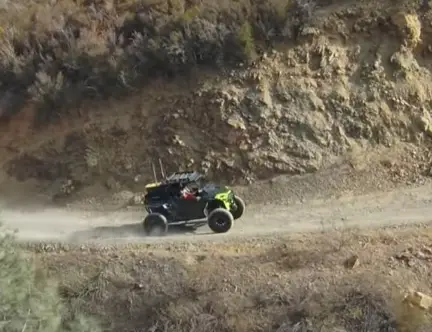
(188, 209)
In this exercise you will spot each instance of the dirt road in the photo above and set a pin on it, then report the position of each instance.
(400, 206)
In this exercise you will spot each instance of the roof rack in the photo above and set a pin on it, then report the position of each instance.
(188, 176)
(176, 177)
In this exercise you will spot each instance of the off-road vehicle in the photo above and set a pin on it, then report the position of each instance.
(216, 206)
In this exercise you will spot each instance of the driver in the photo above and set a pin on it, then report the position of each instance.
(189, 193)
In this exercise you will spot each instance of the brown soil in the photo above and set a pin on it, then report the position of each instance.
(300, 282)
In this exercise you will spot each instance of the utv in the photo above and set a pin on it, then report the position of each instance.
(216, 206)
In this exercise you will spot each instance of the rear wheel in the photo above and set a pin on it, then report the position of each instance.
(220, 220)
(155, 224)
(240, 207)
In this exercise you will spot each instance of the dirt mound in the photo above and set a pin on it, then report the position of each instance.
(294, 283)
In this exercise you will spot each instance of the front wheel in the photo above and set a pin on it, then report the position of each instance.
(237, 213)
(155, 224)
(220, 220)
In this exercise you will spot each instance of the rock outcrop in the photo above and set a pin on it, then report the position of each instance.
(354, 79)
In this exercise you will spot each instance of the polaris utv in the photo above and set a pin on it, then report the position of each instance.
(215, 205)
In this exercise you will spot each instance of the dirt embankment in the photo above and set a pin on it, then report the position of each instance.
(343, 79)
(337, 281)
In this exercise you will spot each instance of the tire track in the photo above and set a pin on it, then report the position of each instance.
(397, 207)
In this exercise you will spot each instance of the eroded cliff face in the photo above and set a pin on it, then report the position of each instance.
(357, 77)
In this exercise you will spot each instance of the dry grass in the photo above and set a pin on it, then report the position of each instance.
(288, 284)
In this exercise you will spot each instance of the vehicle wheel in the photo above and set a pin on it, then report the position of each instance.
(220, 220)
(155, 224)
(240, 207)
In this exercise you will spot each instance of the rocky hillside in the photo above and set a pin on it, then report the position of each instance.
(93, 91)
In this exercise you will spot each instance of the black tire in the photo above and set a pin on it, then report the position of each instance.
(220, 220)
(155, 224)
(240, 207)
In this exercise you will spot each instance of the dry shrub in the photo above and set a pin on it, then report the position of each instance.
(64, 53)
(230, 293)
(28, 298)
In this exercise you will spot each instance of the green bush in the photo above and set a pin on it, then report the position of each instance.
(246, 39)
(28, 299)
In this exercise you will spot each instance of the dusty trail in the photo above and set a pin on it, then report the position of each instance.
(401, 206)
